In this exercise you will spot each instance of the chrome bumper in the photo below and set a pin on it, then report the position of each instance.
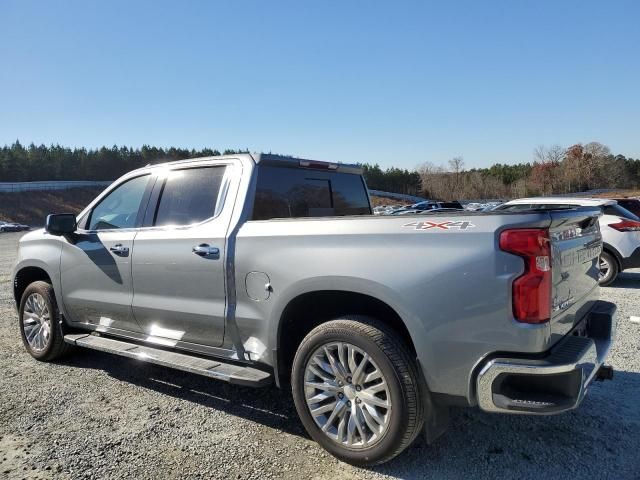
(556, 382)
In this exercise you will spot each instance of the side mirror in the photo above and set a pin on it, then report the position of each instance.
(61, 224)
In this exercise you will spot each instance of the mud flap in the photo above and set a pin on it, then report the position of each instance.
(436, 418)
(436, 422)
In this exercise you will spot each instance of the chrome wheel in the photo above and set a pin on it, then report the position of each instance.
(605, 268)
(347, 395)
(36, 322)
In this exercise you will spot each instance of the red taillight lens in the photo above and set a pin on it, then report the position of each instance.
(532, 289)
(626, 225)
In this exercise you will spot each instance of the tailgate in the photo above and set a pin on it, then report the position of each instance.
(576, 244)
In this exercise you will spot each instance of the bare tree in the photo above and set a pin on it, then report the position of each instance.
(456, 165)
(595, 158)
(588, 164)
(431, 177)
(546, 168)
(553, 154)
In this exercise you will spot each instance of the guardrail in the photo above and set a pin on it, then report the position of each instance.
(53, 185)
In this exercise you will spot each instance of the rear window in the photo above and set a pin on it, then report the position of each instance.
(552, 206)
(535, 206)
(630, 204)
(618, 211)
(514, 208)
(296, 193)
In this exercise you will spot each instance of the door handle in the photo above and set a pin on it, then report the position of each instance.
(120, 250)
(204, 250)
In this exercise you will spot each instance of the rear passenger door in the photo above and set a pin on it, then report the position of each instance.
(178, 257)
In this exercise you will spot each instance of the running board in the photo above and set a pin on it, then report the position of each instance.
(227, 372)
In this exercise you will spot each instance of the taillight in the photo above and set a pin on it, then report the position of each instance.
(626, 225)
(532, 289)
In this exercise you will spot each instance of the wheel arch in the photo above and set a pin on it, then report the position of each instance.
(607, 247)
(321, 305)
(25, 276)
(29, 271)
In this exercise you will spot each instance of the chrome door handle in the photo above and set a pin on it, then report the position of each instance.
(204, 250)
(120, 249)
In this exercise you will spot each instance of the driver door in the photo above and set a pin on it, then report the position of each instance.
(96, 262)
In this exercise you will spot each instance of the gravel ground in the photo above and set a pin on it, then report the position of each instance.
(98, 416)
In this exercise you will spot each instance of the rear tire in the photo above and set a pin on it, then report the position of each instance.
(367, 398)
(609, 269)
(40, 323)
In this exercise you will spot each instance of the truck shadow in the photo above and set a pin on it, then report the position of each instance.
(601, 434)
(268, 406)
(599, 437)
(627, 280)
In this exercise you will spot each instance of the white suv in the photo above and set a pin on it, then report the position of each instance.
(620, 230)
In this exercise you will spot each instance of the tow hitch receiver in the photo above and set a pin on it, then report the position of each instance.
(605, 372)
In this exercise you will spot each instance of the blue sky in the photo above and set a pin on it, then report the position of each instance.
(398, 83)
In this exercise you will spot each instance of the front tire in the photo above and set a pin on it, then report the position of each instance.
(357, 390)
(40, 326)
(608, 269)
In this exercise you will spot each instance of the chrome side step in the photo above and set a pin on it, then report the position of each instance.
(227, 372)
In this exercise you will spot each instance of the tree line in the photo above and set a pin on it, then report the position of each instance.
(39, 162)
(553, 170)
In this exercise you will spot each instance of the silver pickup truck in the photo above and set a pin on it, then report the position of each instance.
(261, 269)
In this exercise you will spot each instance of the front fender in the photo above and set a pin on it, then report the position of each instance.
(42, 251)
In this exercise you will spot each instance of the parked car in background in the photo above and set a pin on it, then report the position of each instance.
(12, 227)
(631, 204)
(430, 205)
(386, 209)
(439, 210)
(620, 230)
(427, 205)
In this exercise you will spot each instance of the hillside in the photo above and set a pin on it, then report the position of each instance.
(32, 208)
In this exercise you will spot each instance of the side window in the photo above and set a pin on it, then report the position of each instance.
(295, 193)
(189, 196)
(120, 208)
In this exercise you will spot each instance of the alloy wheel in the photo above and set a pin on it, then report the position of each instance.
(36, 322)
(347, 395)
(605, 268)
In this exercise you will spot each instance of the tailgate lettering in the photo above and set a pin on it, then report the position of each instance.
(584, 255)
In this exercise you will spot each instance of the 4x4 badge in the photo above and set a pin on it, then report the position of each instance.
(446, 225)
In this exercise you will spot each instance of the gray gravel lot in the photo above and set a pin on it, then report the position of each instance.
(97, 416)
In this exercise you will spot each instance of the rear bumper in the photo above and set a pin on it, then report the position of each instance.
(633, 261)
(555, 382)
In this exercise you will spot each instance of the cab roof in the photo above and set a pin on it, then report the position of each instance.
(269, 159)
